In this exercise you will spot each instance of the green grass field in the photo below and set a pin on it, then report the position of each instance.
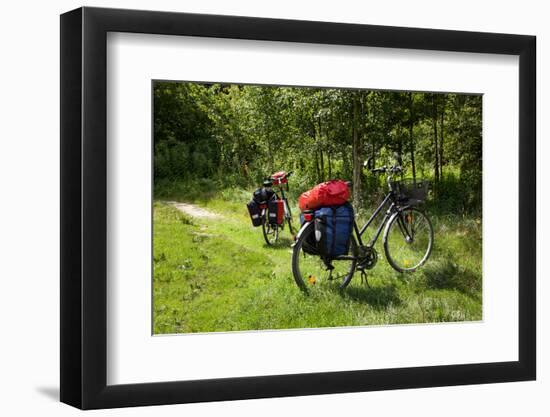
(219, 275)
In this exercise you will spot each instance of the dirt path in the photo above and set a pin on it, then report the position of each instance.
(194, 210)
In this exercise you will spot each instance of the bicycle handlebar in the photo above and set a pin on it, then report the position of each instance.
(384, 169)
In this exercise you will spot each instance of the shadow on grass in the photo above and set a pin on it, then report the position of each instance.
(445, 274)
(378, 297)
(282, 243)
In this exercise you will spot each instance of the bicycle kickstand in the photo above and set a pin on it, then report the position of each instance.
(364, 278)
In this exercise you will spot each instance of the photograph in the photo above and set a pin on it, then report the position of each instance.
(304, 207)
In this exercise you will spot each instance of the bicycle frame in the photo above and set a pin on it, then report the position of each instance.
(389, 212)
(287, 206)
(394, 206)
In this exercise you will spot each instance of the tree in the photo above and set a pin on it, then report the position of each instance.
(236, 135)
(357, 150)
(435, 141)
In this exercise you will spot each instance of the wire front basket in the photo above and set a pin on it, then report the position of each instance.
(411, 191)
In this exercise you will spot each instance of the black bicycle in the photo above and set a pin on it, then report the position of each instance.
(271, 230)
(408, 237)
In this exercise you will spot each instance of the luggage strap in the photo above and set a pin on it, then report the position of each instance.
(333, 230)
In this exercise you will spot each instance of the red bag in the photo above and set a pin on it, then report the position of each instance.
(330, 193)
(279, 178)
(276, 211)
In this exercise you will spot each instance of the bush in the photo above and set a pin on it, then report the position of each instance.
(459, 195)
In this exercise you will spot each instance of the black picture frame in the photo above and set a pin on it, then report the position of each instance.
(84, 207)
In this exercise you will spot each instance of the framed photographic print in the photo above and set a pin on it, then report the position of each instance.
(256, 208)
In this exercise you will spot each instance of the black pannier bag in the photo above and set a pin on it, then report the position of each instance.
(262, 195)
(260, 198)
(310, 245)
(255, 212)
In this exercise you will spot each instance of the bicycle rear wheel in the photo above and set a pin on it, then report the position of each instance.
(270, 232)
(311, 270)
(408, 239)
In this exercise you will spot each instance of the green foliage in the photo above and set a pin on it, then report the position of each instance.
(183, 140)
(236, 135)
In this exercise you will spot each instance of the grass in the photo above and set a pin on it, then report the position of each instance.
(219, 275)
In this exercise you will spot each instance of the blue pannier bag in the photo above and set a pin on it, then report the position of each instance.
(333, 228)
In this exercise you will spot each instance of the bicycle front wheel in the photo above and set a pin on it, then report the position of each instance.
(311, 270)
(408, 239)
(290, 226)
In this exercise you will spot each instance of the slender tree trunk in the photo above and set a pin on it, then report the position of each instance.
(363, 127)
(244, 166)
(270, 149)
(436, 151)
(317, 170)
(400, 141)
(320, 147)
(373, 140)
(346, 171)
(346, 162)
(322, 160)
(411, 137)
(357, 160)
(441, 130)
(329, 166)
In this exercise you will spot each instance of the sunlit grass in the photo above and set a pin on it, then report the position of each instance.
(219, 275)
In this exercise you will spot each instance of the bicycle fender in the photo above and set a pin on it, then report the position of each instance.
(302, 229)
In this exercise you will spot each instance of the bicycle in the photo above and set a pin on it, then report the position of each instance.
(271, 230)
(408, 237)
